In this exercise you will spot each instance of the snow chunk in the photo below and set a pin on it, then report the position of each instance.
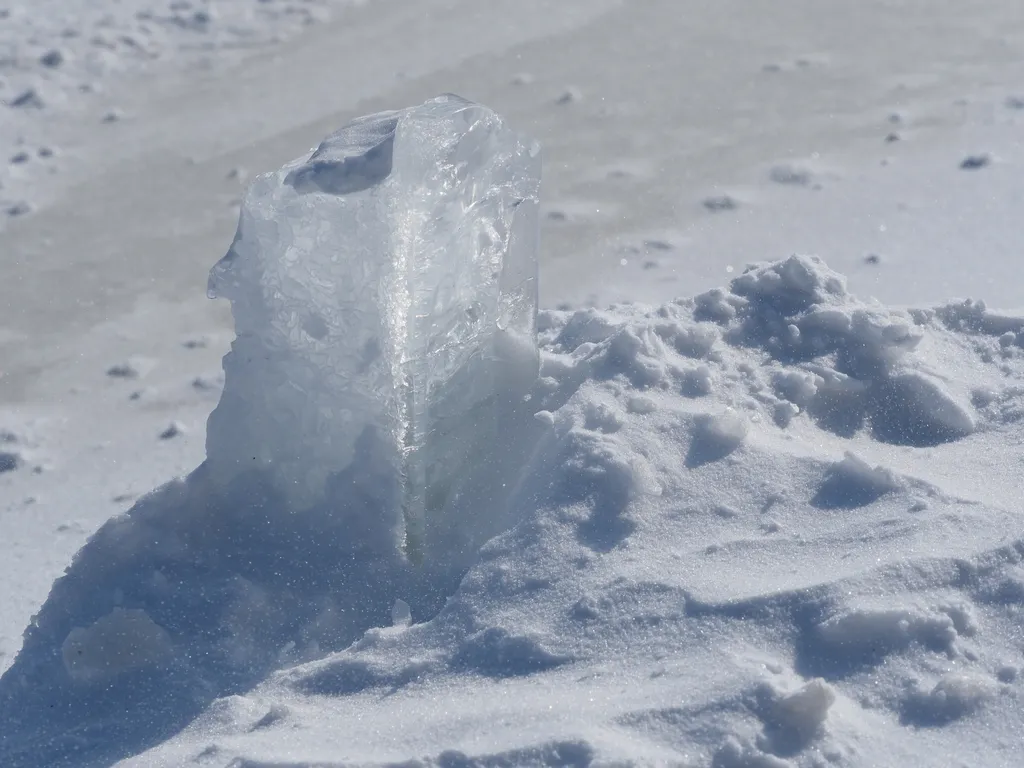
(975, 316)
(586, 325)
(955, 696)
(715, 436)
(690, 340)
(798, 387)
(122, 641)
(804, 711)
(853, 482)
(791, 285)
(641, 405)
(384, 292)
(914, 409)
(878, 632)
(716, 306)
(697, 382)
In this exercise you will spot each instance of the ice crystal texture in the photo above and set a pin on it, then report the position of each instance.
(384, 292)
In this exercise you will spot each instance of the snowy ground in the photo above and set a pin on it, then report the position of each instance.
(698, 577)
(58, 57)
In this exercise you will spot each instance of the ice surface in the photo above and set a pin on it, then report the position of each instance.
(384, 290)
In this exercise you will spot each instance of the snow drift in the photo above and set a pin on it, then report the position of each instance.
(769, 498)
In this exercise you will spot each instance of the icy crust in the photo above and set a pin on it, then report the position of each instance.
(798, 551)
(384, 291)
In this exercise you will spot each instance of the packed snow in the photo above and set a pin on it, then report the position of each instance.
(759, 506)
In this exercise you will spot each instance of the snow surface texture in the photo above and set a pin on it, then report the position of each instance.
(766, 497)
(55, 56)
(384, 291)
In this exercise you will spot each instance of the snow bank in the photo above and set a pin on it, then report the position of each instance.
(775, 499)
(782, 601)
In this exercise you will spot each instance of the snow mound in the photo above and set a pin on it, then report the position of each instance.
(384, 295)
(791, 555)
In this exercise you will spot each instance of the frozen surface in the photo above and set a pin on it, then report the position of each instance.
(384, 291)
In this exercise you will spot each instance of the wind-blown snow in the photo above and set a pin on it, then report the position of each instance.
(805, 559)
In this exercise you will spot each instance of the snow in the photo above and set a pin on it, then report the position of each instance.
(758, 515)
(57, 57)
(645, 530)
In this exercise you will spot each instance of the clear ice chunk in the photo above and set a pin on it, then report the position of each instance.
(384, 292)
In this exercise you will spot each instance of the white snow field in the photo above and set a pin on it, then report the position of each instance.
(757, 509)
